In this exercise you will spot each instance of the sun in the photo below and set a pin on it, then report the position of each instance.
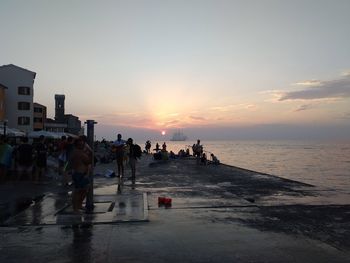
(163, 133)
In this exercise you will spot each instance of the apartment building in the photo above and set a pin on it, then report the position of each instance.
(39, 117)
(19, 96)
(2, 102)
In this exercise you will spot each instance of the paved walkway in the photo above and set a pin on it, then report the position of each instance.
(218, 214)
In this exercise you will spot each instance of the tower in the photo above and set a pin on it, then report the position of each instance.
(59, 107)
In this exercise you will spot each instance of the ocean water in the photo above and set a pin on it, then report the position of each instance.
(325, 164)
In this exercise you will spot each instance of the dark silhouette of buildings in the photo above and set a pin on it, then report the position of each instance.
(63, 122)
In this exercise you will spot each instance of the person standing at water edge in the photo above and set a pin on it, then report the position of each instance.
(197, 150)
(148, 146)
(157, 149)
(134, 153)
(118, 148)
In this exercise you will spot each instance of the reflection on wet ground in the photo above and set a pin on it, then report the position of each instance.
(218, 214)
(57, 210)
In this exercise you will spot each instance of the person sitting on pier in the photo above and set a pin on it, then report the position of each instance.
(214, 159)
(181, 153)
(204, 159)
(172, 155)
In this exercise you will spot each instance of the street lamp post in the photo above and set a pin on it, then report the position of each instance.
(90, 140)
(5, 124)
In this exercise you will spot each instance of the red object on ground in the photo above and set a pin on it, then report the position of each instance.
(161, 200)
(167, 201)
(164, 201)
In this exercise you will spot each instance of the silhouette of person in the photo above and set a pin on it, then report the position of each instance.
(118, 147)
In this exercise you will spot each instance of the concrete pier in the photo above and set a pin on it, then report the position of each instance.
(218, 214)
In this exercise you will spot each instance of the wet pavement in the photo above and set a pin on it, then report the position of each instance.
(108, 209)
(218, 214)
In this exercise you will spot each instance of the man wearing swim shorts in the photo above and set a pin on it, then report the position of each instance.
(118, 147)
(80, 162)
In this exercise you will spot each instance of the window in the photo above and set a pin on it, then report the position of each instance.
(23, 120)
(23, 90)
(38, 120)
(39, 110)
(24, 105)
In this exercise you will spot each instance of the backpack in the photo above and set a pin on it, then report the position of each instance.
(137, 151)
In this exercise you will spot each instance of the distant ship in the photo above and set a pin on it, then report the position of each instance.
(178, 136)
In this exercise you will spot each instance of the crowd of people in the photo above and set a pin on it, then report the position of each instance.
(21, 160)
(75, 159)
(29, 161)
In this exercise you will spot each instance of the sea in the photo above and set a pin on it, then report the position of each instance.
(320, 163)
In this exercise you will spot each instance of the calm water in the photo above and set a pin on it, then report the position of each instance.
(318, 163)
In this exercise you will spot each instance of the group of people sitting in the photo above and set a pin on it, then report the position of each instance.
(197, 149)
(201, 156)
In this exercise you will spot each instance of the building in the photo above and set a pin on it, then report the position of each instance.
(54, 126)
(2, 102)
(19, 96)
(63, 122)
(39, 117)
(59, 107)
(73, 124)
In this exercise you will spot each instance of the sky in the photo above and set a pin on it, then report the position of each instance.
(213, 69)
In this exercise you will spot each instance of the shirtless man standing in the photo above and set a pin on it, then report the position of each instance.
(118, 147)
(80, 162)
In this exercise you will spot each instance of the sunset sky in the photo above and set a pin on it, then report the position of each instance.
(205, 67)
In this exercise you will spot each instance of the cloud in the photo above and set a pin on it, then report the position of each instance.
(303, 107)
(231, 107)
(223, 108)
(346, 73)
(247, 106)
(274, 95)
(345, 116)
(172, 122)
(197, 118)
(312, 82)
(337, 88)
(271, 91)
